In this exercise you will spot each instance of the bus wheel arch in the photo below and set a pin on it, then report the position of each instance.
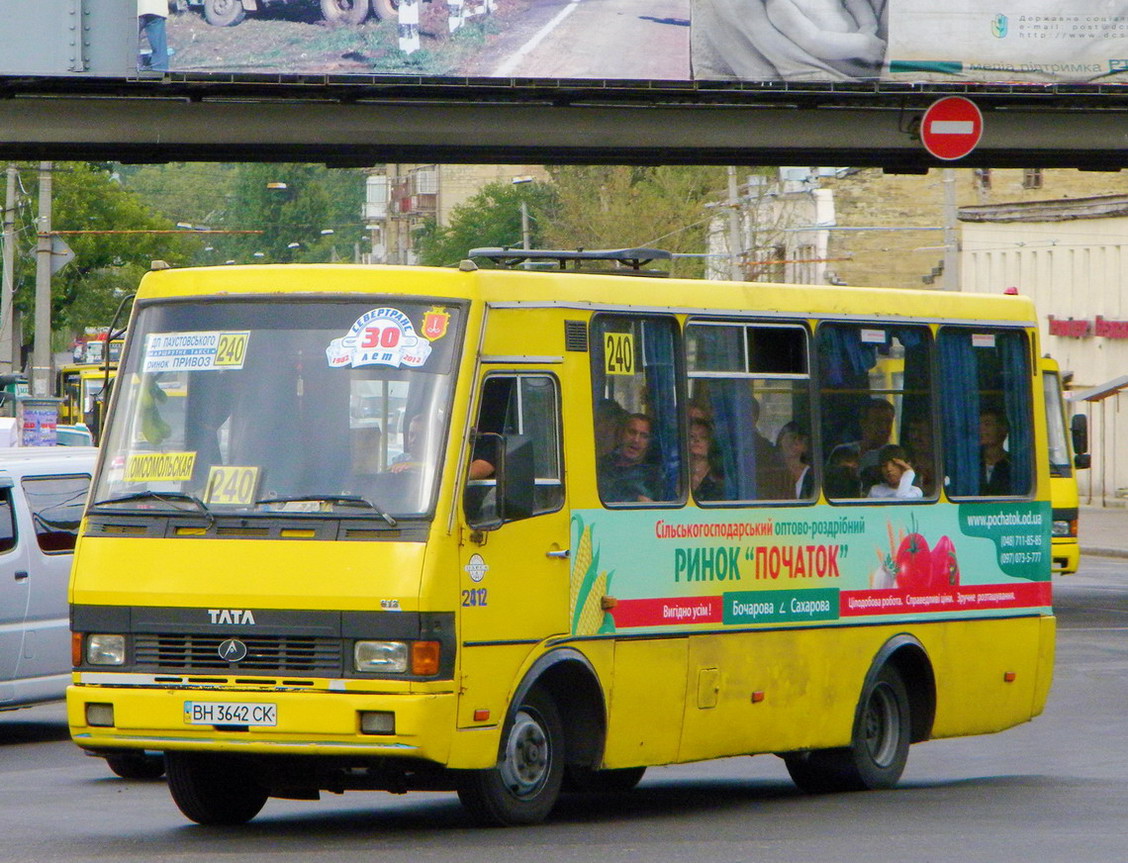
(911, 660)
(556, 718)
(896, 706)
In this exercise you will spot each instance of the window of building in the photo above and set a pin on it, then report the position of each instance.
(1032, 178)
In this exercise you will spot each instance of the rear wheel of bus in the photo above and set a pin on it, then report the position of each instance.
(525, 784)
(878, 749)
(213, 789)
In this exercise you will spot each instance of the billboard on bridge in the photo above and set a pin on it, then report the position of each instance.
(1075, 41)
(419, 41)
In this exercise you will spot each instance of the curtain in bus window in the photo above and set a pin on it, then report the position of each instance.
(661, 378)
(732, 406)
(986, 376)
(1016, 389)
(960, 410)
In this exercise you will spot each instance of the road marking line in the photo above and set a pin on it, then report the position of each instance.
(506, 68)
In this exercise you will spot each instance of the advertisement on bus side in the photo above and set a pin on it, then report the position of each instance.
(637, 571)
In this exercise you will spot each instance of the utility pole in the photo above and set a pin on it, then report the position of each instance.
(951, 280)
(736, 272)
(8, 282)
(41, 350)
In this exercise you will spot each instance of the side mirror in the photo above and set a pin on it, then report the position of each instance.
(1079, 430)
(518, 479)
(507, 495)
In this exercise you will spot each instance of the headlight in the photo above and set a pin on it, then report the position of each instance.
(387, 657)
(105, 649)
(1063, 528)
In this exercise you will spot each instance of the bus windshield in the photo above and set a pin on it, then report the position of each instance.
(1055, 425)
(247, 407)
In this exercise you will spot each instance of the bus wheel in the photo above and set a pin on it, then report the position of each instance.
(878, 751)
(213, 789)
(136, 765)
(524, 786)
(588, 781)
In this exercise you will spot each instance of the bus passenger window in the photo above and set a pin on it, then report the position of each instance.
(875, 388)
(988, 436)
(635, 409)
(750, 386)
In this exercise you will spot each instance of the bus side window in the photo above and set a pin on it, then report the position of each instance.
(988, 435)
(875, 388)
(635, 398)
(750, 385)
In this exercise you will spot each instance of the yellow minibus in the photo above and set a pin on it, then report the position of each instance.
(1066, 453)
(516, 533)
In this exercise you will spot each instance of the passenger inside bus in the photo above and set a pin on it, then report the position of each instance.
(794, 444)
(772, 477)
(842, 478)
(414, 449)
(626, 474)
(876, 423)
(995, 472)
(897, 475)
(705, 475)
(918, 437)
(609, 418)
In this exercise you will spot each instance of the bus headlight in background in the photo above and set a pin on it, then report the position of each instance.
(105, 649)
(1062, 527)
(387, 657)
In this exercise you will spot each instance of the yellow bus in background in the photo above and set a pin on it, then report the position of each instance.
(515, 533)
(1067, 453)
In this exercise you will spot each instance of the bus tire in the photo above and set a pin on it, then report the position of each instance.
(136, 765)
(224, 13)
(587, 781)
(213, 789)
(344, 11)
(525, 784)
(878, 749)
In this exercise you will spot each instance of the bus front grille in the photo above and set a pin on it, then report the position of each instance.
(264, 653)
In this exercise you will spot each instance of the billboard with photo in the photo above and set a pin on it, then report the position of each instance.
(1075, 41)
(566, 42)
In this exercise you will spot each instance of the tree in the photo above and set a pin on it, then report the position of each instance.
(107, 264)
(617, 206)
(492, 217)
(305, 213)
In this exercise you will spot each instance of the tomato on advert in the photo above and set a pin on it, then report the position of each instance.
(913, 563)
(945, 567)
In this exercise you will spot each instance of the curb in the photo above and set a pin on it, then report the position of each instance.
(1104, 551)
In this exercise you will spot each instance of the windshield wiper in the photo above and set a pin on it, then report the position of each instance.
(164, 497)
(340, 499)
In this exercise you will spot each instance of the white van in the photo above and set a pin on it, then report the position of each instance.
(42, 496)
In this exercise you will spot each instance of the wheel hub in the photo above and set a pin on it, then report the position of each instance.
(525, 767)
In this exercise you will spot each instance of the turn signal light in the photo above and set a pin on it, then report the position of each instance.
(425, 658)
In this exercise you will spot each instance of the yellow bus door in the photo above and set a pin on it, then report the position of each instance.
(514, 549)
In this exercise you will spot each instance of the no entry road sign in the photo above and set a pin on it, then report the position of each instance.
(951, 127)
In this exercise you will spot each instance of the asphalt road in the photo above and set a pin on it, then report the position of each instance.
(1048, 791)
(609, 39)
